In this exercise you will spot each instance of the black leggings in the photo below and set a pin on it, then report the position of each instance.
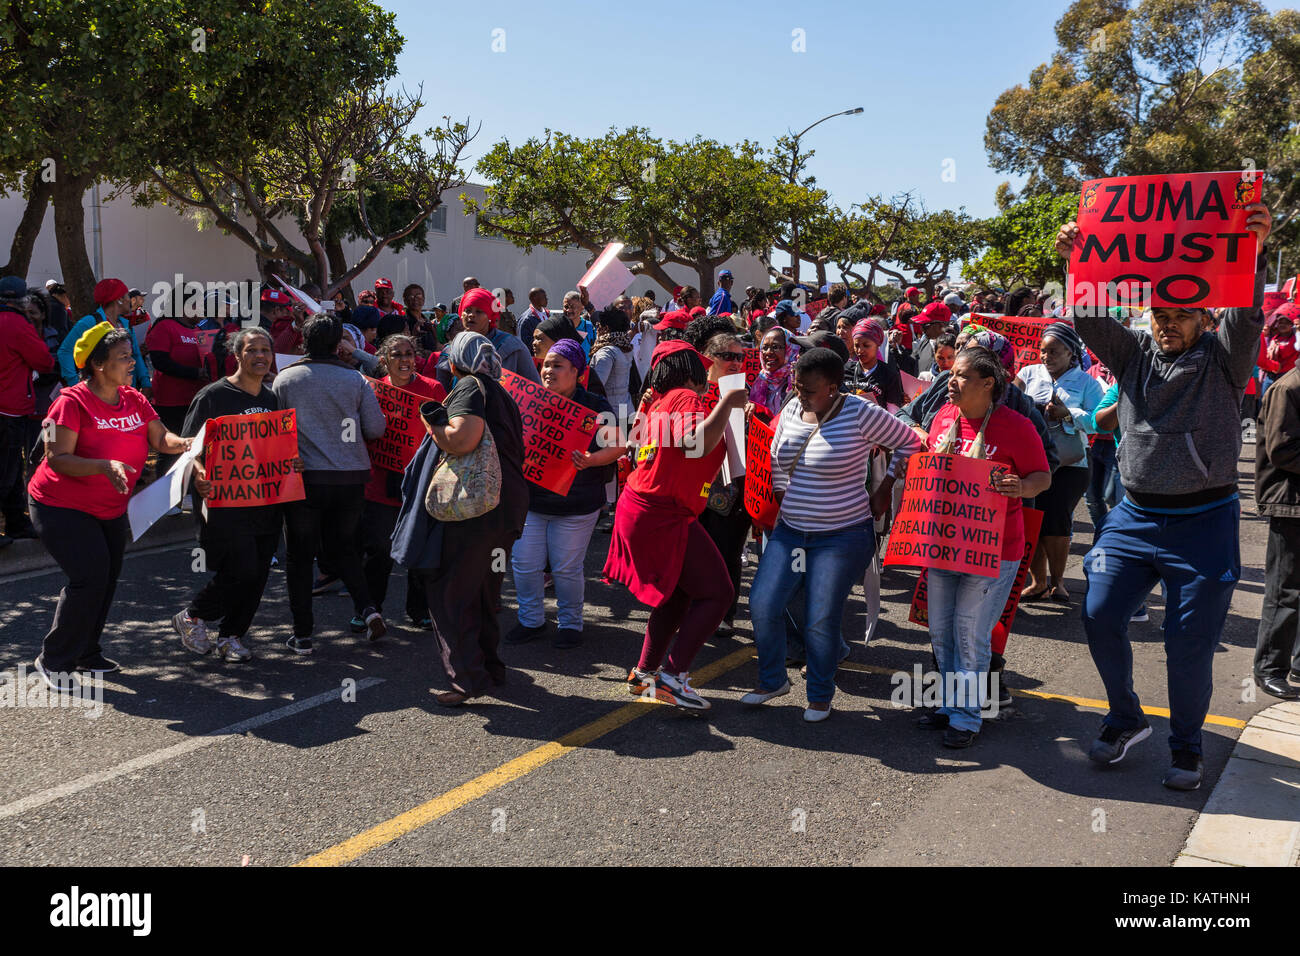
(377, 523)
(241, 564)
(327, 518)
(89, 550)
(730, 533)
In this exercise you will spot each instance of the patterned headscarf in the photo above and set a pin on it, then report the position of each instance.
(995, 343)
(473, 353)
(871, 329)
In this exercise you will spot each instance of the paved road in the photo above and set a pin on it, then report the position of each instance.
(306, 770)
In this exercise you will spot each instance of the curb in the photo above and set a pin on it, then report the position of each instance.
(30, 554)
(1253, 816)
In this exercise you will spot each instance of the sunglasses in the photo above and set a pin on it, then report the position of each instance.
(729, 356)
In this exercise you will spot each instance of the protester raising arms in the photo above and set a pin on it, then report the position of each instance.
(102, 432)
(1180, 394)
(659, 548)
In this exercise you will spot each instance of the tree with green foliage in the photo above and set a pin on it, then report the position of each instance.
(1160, 86)
(694, 204)
(108, 90)
(1021, 243)
(360, 147)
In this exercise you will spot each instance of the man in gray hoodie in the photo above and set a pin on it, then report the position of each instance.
(1180, 389)
(337, 413)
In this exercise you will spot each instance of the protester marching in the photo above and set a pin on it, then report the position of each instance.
(949, 442)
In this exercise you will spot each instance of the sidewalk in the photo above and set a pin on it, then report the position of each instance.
(30, 554)
(1253, 816)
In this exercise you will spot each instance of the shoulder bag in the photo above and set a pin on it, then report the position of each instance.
(469, 485)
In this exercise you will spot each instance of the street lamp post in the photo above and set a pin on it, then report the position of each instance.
(794, 162)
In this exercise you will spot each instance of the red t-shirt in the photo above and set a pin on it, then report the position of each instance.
(1282, 353)
(1011, 440)
(377, 486)
(182, 343)
(665, 468)
(117, 432)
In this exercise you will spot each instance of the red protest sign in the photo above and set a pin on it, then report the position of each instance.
(404, 430)
(1024, 332)
(950, 517)
(249, 460)
(760, 501)
(912, 386)
(919, 612)
(710, 398)
(1177, 240)
(814, 308)
(554, 428)
(753, 365)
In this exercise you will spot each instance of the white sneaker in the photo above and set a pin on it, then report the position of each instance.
(193, 632)
(232, 649)
(681, 692)
(1141, 617)
(755, 698)
(816, 716)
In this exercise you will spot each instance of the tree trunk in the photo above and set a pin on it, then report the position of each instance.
(338, 266)
(29, 228)
(704, 270)
(68, 193)
(821, 275)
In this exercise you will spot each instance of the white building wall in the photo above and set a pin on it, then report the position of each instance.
(144, 246)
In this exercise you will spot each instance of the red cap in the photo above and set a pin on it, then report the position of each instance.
(911, 289)
(109, 290)
(677, 290)
(673, 320)
(481, 299)
(384, 284)
(698, 311)
(274, 297)
(934, 312)
(676, 345)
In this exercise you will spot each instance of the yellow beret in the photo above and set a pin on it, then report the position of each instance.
(86, 344)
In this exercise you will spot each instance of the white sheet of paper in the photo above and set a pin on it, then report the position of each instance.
(144, 509)
(735, 426)
(284, 361)
(312, 305)
(644, 349)
(607, 277)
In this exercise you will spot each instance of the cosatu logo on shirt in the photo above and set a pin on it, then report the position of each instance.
(125, 424)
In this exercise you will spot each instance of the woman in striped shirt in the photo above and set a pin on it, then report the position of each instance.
(821, 453)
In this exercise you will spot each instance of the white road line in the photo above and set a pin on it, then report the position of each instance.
(178, 750)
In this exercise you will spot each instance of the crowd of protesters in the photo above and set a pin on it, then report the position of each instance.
(1140, 413)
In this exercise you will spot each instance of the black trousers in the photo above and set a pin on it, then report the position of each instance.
(729, 533)
(1277, 649)
(89, 551)
(328, 517)
(13, 455)
(377, 523)
(173, 416)
(241, 564)
(463, 595)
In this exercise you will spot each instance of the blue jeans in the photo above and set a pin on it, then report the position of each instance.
(1198, 558)
(827, 564)
(963, 610)
(1103, 482)
(563, 540)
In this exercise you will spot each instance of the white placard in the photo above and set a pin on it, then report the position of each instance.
(607, 277)
(314, 307)
(643, 349)
(284, 361)
(155, 500)
(735, 426)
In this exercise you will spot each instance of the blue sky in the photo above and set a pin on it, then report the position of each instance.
(927, 73)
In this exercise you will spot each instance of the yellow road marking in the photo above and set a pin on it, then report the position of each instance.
(404, 823)
(512, 770)
(1080, 701)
